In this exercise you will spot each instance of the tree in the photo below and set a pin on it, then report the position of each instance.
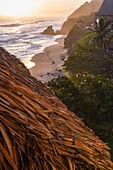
(103, 32)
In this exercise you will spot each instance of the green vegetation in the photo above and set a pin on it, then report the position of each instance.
(89, 58)
(103, 32)
(90, 98)
(74, 35)
(88, 91)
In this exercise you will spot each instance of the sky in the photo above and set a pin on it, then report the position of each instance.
(38, 7)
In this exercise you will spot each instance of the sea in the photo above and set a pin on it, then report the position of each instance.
(22, 36)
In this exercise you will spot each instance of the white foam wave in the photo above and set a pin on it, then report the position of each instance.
(22, 37)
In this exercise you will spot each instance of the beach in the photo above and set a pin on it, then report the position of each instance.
(22, 38)
(49, 63)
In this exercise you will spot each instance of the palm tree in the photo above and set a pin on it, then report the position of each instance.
(103, 32)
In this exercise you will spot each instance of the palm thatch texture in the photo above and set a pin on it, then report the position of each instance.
(37, 131)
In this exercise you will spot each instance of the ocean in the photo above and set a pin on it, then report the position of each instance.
(21, 36)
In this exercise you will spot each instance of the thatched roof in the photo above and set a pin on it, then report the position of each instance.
(37, 131)
(106, 8)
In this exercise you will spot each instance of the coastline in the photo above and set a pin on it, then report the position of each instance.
(49, 63)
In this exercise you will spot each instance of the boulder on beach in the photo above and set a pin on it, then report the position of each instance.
(49, 30)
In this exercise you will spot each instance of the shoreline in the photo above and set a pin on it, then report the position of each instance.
(48, 64)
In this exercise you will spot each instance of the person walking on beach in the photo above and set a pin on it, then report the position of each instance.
(50, 58)
(48, 53)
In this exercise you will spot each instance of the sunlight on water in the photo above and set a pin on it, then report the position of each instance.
(22, 38)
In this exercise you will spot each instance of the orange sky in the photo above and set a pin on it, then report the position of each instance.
(38, 7)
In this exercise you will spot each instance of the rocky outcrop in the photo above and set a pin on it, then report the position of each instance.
(74, 35)
(37, 131)
(49, 30)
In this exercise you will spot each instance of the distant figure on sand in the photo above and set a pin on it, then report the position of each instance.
(48, 53)
(50, 58)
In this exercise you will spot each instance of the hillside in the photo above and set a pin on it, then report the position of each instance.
(86, 13)
(36, 129)
(67, 25)
(86, 9)
(74, 34)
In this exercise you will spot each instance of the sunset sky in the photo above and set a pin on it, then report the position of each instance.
(38, 7)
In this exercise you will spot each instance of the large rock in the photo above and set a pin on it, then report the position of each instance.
(37, 131)
(74, 35)
(49, 30)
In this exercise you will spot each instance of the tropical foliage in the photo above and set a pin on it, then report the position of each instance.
(88, 58)
(89, 97)
(103, 32)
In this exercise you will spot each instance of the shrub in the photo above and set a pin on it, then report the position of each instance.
(97, 95)
(65, 90)
(88, 58)
(90, 97)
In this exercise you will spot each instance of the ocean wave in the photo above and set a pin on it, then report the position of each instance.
(11, 25)
(14, 40)
(34, 46)
(22, 37)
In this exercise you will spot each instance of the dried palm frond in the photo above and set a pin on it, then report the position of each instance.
(37, 131)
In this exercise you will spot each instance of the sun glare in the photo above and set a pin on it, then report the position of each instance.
(18, 7)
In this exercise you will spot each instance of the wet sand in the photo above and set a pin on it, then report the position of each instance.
(49, 63)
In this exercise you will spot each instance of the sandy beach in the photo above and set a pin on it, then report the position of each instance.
(49, 63)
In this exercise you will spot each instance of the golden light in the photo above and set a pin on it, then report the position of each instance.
(18, 8)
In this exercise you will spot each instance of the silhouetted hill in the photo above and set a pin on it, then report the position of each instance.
(86, 13)
(86, 9)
